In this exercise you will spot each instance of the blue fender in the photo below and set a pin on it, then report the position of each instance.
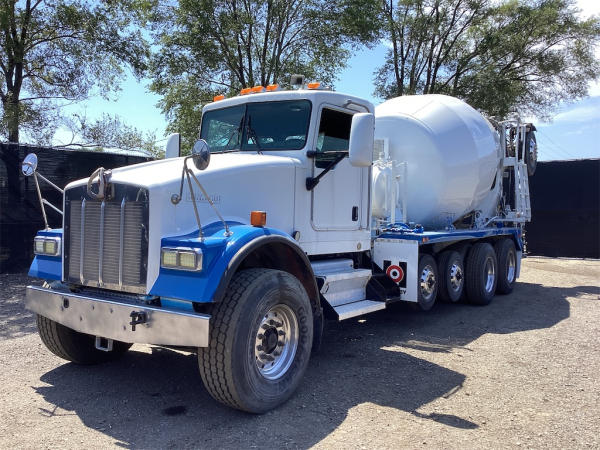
(47, 267)
(221, 255)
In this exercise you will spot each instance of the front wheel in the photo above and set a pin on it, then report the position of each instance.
(74, 346)
(260, 341)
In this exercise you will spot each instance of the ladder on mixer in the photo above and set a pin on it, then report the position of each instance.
(522, 207)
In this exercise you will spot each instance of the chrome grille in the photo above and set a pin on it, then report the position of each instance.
(106, 242)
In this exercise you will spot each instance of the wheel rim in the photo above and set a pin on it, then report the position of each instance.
(427, 283)
(276, 342)
(456, 277)
(511, 267)
(489, 272)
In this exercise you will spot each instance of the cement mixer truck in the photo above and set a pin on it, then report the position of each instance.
(295, 206)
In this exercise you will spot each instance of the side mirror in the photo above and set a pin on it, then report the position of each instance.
(362, 138)
(29, 164)
(173, 147)
(201, 154)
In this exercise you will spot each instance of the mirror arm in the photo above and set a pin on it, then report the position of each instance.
(311, 182)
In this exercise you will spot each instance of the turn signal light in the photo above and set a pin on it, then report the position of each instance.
(245, 91)
(258, 218)
(257, 89)
(272, 87)
(314, 85)
(216, 98)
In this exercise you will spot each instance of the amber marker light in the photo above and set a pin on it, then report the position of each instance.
(216, 98)
(257, 89)
(258, 218)
(245, 91)
(272, 87)
(314, 85)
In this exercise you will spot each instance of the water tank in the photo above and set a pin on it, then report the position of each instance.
(451, 152)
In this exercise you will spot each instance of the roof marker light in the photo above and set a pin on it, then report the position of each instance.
(272, 87)
(216, 98)
(315, 85)
(258, 218)
(257, 89)
(245, 91)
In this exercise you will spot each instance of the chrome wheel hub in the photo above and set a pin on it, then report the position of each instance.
(456, 277)
(511, 267)
(490, 274)
(427, 282)
(276, 342)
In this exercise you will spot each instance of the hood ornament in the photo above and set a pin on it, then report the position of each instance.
(201, 158)
(103, 176)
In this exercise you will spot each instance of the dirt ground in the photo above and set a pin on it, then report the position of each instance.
(521, 372)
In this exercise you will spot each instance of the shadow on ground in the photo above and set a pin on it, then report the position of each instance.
(15, 320)
(157, 400)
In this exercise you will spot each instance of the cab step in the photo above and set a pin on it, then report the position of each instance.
(344, 287)
(358, 308)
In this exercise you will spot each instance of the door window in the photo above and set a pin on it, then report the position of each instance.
(334, 136)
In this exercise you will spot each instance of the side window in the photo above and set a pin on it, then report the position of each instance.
(334, 136)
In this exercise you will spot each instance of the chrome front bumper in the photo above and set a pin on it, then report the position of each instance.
(109, 318)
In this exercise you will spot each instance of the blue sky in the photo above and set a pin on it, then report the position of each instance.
(574, 131)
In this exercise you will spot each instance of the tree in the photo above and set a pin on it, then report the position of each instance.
(498, 56)
(220, 46)
(111, 132)
(61, 50)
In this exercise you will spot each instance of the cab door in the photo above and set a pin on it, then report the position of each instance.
(340, 199)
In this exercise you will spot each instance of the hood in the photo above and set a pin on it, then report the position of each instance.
(161, 172)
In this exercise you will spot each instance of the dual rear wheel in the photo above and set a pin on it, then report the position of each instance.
(485, 271)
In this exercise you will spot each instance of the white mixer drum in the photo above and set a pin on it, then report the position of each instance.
(452, 154)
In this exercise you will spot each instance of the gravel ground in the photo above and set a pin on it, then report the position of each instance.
(521, 372)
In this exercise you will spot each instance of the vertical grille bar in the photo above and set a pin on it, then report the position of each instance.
(101, 244)
(82, 241)
(121, 236)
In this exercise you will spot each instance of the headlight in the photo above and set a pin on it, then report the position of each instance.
(48, 246)
(181, 258)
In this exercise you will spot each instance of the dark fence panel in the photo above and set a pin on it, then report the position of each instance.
(20, 215)
(565, 205)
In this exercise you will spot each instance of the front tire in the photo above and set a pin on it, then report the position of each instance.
(79, 348)
(482, 274)
(260, 341)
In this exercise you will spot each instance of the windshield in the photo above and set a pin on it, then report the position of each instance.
(257, 126)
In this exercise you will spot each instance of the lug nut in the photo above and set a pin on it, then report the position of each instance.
(260, 336)
(280, 343)
(281, 333)
(259, 348)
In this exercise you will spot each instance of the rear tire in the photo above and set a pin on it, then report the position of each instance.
(507, 265)
(427, 279)
(74, 346)
(481, 274)
(451, 273)
(260, 341)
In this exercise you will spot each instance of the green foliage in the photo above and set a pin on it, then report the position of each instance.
(63, 50)
(220, 46)
(498, 56)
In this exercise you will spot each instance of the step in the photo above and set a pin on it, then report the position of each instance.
(358, 308)
(341, 282)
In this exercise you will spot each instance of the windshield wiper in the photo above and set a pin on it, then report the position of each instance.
(253, 135)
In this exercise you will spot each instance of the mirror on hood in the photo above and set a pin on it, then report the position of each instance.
(29, 164)
(201, 154)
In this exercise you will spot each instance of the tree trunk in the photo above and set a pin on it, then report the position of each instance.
(11, 109)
